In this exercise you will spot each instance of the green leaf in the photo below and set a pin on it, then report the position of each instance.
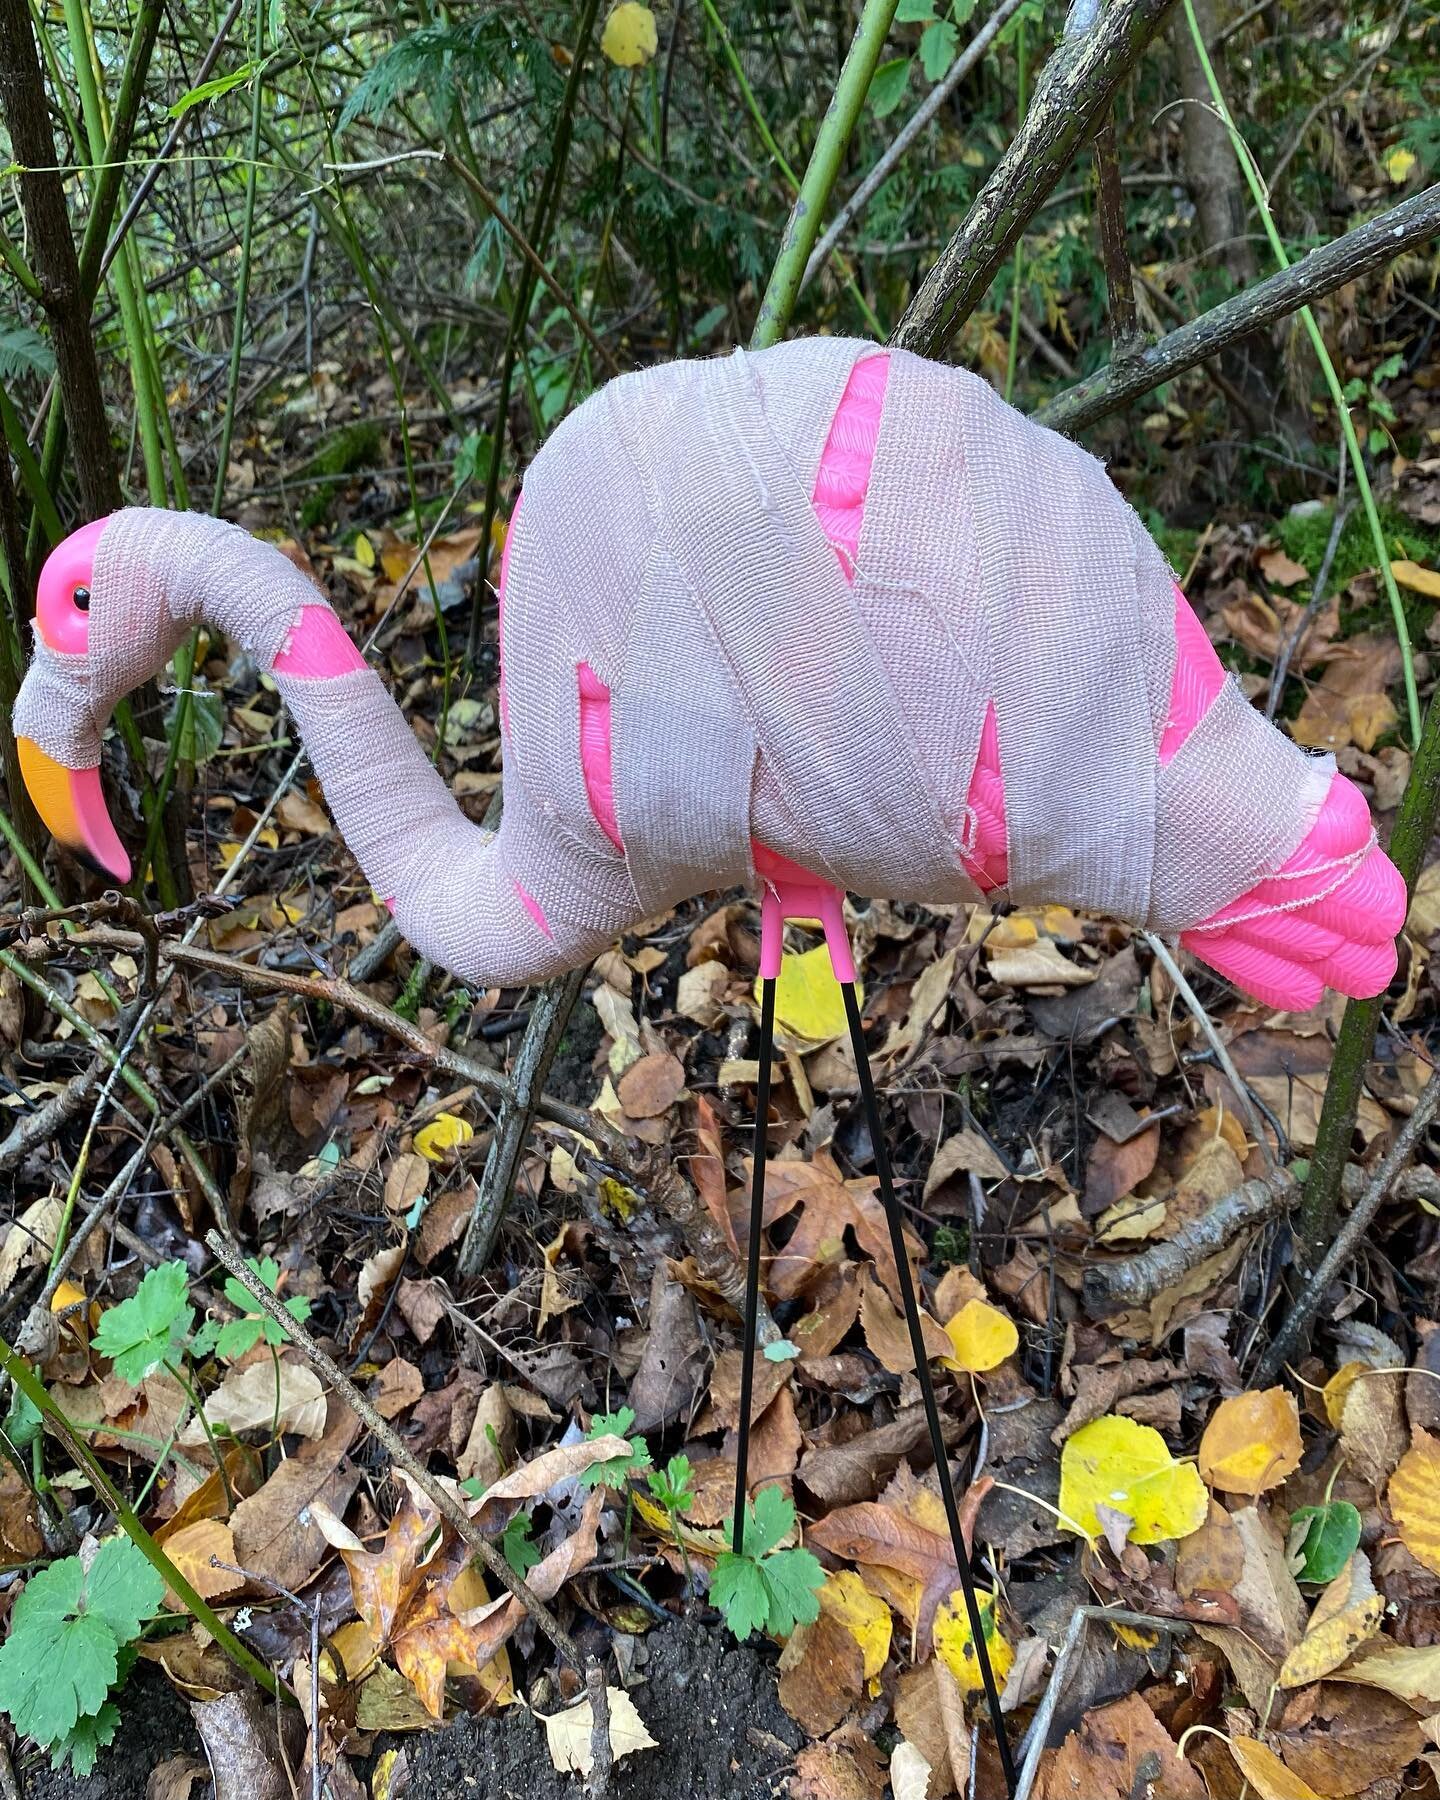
(1326, 1537)
(769, 1517)
(616, 1472)
(518, 1547)
(23, 1421)
(673, 1487)
(122, 1588)
(792, 1577)
(217, 85)
(242, 1334)
(738, 1588)
(86, 1739)
(888, 84)
(235, 1339)
(23, 352)
(141, 1333)
(938, 44)
(58, 1662)
(915, 12)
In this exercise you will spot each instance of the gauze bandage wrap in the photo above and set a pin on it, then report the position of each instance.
(988, 640)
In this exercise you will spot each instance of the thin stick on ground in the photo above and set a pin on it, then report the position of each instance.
(1295, 1333)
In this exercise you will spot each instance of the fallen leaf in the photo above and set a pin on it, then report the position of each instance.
(1115, 1170)
(822, 1674)
(263, 1396)
(445, 1132)
(400, 1385)
(275, 1530)
(651, 1085)
(1038, 965)
(965, 1153)
(1414, 1499)
(1212, 1559)
(808, 1001)
(1272, 1608)
(981, 1338)
(1411, 575)
(955, 1642)
(1265, 1772)
(1346, 1615)
(1281, 570)
(1347, 1739)
(887, 1334)
(846, 1599)
(1373, 1435)
(1117, 1463)
(909, 1772)
(1252, 1442)
(1412, 1675)
(569, 1733)
(1103, 1758)
(191, 1550)
(530, 1480)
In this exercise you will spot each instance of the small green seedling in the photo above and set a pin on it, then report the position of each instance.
(241, 1335)
(765, 1589)
(68, 1649)
(617, 1472)
(518, 1547)
(673, 1486)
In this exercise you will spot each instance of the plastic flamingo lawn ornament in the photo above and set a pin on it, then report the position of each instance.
(818, 618)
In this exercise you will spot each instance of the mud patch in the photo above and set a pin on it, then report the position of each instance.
(155, 1724)
(710, 1704)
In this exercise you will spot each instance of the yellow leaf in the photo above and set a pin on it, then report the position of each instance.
(1346, 1615)
(364, 552)
(1414, 1496)
(569, 1733)
(1252, 1442)
(229, 850)
(955, 1646)
(444, 1132)
(983, 1337)
(1265, 1772)
(1420, 581)
(1411, 1675)
(847, 1599)
(629, 38)
(191, 1548)
(1127, 1467)
(1337, 1388)
(808, 1001)
(1398, 164)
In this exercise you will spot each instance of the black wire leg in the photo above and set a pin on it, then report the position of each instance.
(752, 1262)
(922, 1375)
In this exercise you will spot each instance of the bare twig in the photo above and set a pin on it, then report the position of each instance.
(1290, 648)
(1413, 221)
(1295, 1332)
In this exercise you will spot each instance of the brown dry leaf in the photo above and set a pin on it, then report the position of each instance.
(1373, 1435)
(769, 1378)
(843, 1474)
(1115, 1170)
(1101, 1760)
(1346, 1615)
(930, 1711)
(383, 1581)
(651, 1086)
(490, 1445)
(1410, 1674)
(555, 1297)
(407, 1180)
(530, 1480)
(965, 1153)
(1414, 1500)
(672, 1365)
(1252, 1442)
(821, 1674)
(30, 1240)
(1272, 1609)
(400, 1385)
(1280, 569)
(821, 1330)
(887, 1334)
(1255, 1673)
(829, 1205)
(1038, 965)
(191, 1549)
(275, 1529)
(1212, 1559)
(433, 1638)
(1345, 1739)
(263, 1396)
(848, 1766)
(1265, 1772)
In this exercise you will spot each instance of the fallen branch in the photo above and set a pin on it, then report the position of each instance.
(1073, 95)
(444, 1502)
(1294, 1334)
(1367, 247)
(1135, 1281)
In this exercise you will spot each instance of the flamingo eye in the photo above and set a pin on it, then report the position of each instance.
(81, 598)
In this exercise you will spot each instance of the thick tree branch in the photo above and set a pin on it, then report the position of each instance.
(1367, 247)
(1072, 97)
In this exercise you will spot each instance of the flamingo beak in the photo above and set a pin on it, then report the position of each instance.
(70, 802)
(72, 808)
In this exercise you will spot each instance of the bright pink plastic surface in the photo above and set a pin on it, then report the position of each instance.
(59, 620)
(318, 648)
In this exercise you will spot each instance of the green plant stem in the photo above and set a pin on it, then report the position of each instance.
(1410, 839)
(831, 142)
(1332, 379)
(242, 279)
(209, 1430)
(782, 162)
(1012, 358)
(35, 1392)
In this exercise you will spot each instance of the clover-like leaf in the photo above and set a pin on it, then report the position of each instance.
(141, 1333)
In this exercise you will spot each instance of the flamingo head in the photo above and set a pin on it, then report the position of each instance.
(69, 799)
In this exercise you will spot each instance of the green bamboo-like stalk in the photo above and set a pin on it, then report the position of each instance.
(36, 1393)
(836, 129)
(1327, 367)
(1409, 840)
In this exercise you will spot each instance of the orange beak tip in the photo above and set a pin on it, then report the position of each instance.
(71, 804)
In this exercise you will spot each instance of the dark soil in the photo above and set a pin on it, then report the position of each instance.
(155, 1724)
(709, 1703)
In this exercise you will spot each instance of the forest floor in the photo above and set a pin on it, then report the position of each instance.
(1052, 1108)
